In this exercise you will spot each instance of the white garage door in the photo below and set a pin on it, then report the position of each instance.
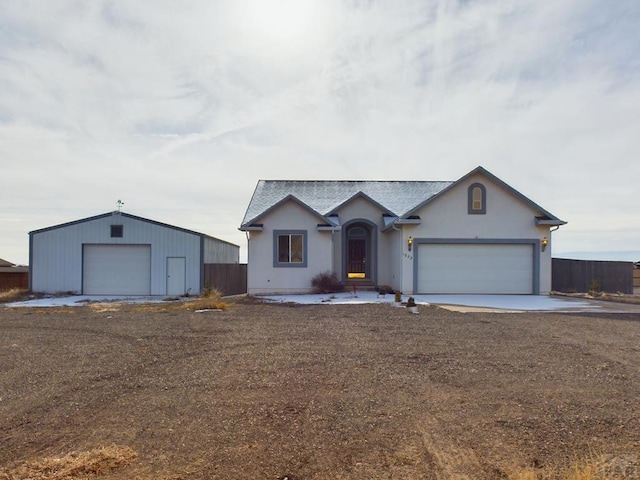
(475, 268)
(116, 270)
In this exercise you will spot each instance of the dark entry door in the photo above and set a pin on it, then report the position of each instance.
(357, 258)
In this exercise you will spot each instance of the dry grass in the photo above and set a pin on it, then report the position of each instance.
(13, 295)
(593, 467)
(104, 460)
(73, 466)
(211, 299)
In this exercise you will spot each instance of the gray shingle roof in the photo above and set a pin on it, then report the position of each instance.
(323, 196)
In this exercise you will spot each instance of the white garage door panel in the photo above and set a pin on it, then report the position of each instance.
(475, 268)
(116, 270)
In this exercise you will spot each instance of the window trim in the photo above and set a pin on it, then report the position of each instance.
(117, 229)
(483, 198)
(276, 244)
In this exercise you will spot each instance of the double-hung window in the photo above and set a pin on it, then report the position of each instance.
(290, 248)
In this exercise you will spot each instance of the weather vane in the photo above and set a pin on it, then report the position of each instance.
(119, 204)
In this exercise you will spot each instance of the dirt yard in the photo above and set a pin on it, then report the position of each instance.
(315, 392)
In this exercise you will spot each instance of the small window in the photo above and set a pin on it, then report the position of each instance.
(290, 249)
(477, 199)
(117, 231)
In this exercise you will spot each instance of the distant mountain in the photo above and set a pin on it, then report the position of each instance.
(620, 256)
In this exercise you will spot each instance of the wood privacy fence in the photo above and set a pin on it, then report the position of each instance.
(11, 280)
(228, 278)
(585, 275)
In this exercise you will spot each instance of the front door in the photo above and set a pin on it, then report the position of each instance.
(357, 258)
(358, 244)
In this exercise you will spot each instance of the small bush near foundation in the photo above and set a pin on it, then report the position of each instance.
(384, 289)
(594, 288)
(326, 282)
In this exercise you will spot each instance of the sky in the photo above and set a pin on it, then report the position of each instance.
(178, 108)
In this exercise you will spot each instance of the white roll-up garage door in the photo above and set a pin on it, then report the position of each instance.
(475, 268)
(116, 270)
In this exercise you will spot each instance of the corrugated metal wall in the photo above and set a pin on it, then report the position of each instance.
(56, 254)
(218, 251)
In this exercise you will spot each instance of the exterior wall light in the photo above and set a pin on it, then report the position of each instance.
(543, 244)
(409, 242)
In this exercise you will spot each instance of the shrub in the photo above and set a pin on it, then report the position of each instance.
(384, 289)
(326, 282)
(210, 291)
(594, 288)
(210, 299)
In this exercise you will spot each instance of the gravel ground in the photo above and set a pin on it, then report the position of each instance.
(319, 391)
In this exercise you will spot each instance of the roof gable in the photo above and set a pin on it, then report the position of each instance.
(367, 198)
(288, 198)
(126, 215)
(545, 216)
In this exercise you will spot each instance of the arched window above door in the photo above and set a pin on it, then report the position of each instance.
(357, 232)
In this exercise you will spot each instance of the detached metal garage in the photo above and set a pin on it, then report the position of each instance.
(121, 254)
(474, 267)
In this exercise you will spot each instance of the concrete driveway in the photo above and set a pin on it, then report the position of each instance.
(525, 303)
(470, 303)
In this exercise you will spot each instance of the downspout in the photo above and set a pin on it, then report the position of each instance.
(393, 226)
(246, 232)
(333, 252)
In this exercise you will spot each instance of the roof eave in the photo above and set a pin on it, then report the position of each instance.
(409, 221)
(550, 221)
(252, 228)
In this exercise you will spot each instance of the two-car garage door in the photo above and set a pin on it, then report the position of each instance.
(116, 270)
(476, 268)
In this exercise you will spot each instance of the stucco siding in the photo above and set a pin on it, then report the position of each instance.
(506, 218)
(263, 276)
(56, 254)
(395, 251)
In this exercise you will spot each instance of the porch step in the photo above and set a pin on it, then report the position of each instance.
(365, 285)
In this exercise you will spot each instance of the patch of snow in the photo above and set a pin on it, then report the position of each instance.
(512, 303)
(500, 302)
(80, 300)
